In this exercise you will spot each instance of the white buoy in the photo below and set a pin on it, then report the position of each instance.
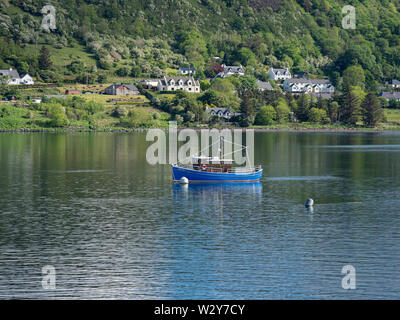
(309, 203)
(183, 180)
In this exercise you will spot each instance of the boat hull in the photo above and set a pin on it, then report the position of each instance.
(203, 176)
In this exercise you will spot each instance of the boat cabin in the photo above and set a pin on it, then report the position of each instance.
(212, 164)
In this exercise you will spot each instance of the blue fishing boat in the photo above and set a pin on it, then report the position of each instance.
(214, 169)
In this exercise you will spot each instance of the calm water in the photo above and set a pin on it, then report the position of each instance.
(115, 227)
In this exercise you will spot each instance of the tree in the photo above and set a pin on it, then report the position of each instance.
(57, 115)
(266, 116)
(44, 59)
(354, 76)
(282, 111)
(350, 109)
(371, 110)
(317, 115)
(333, 111)
(303, 106)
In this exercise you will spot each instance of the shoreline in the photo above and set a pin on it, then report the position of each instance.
(142, 130)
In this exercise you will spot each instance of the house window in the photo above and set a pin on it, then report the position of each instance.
(197, 89)
(190, 89)
(172, 89)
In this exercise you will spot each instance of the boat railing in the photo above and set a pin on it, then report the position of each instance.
(210, 168)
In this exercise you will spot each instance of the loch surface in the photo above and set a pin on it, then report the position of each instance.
(115, 227)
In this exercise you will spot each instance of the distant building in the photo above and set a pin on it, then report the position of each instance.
(149, 84)
(26, 79)
(230, 71)
(279, 74)
(12, 77)
(122, 90)
(393, 83)
(188, 84)
(186, 71)
(70, 92)
(262, 86)
(220, 112)
(391, 95)
(303, 85)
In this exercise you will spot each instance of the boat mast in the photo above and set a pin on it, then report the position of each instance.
(221, 147)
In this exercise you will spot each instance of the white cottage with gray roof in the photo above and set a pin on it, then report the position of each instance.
(11, 76)
(279, 74)
(303, 85)
(188, 84)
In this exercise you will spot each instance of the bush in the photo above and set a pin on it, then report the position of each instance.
(119, 112)
(266, 116)
(56, 113)
(282, 111)
(317, 115)
(138, 118)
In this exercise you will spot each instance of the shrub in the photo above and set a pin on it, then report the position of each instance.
(56, 113)
(317, 115)
(138, 118)
(282, 111)
(119, 112)
(266, 116)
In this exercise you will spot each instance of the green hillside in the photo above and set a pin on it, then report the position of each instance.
(151, 38)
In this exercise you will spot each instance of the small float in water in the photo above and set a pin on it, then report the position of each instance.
(215, 169)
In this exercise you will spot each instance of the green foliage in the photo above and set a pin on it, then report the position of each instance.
(143, 38)
(371, 110)
(282, 111)
(56, 113)
(138, 118)
(354, 76)
(44, 59)
(266, 116)
(317, 115)
(119, 112)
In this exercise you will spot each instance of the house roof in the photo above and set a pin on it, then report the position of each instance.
(187, 69)
(280, 71)
(233, 69)
(216, 110)
(395, 82)
(391, 95)
(264, 85)
(12, 74)
(117, 86)
(165, 81)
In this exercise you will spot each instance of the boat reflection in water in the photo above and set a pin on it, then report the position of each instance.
(217, 193)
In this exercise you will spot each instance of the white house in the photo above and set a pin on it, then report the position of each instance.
(186, 71)
(279, 74)
(12, 77)
(188, 84)
(230, 71)
(149, 84)
(26, 79)
(220, 112)
(303, 85)
(395, 84)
